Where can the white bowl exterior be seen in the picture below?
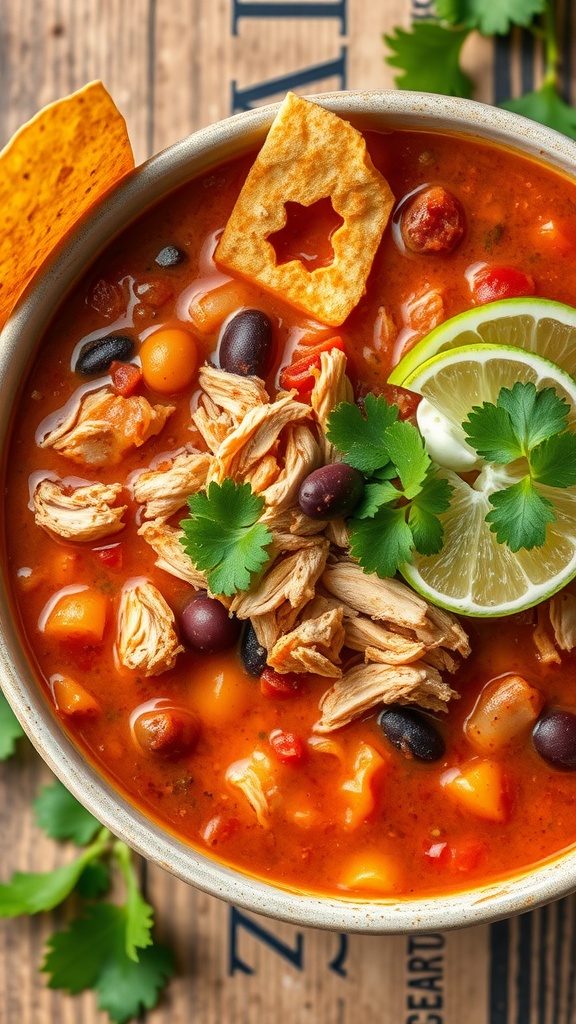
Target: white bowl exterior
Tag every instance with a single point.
(18, 341)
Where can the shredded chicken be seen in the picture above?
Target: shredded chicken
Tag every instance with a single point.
(255, 436)
(82, 514)
(235, 394)
(146, 640)
(301, 457)
(563, 618)
(165, 540)
(290, 580)
(331, 387)
(102, 426)
(313, 646)
(163, 491)
(254, 778)
(212, 423)
(396, 606)
(364, 686)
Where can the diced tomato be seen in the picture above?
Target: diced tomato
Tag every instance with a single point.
(110, 555)
(493, 283)
(287, 746)
(125, 378)
(280, 687)
(299, 375)
(407, 401)
(459, 857)
(219, 829)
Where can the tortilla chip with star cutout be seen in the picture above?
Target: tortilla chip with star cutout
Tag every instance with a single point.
(309, 154)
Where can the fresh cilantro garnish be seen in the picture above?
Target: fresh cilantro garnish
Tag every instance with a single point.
(10, 729)
(530, 424)
(62, 817)
(223, 537)
(428, 55)
(361, 438)
(91, 954)
(488, 17)
(109, 947)
(403, 497)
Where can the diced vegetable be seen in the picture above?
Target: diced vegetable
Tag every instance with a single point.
(71, 698)
(492, 283)
(371, 871)
(299, 375)
(169, 360)
(125, 378)
(208, 311)
(287, 746)
(507, 706)
(359, 790)
(280, 687)
(478, 787)
(79, 616)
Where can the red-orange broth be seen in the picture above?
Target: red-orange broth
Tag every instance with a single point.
(518, 215)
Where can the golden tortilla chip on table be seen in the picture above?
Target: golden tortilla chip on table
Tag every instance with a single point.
(309, 154)
(51, 172)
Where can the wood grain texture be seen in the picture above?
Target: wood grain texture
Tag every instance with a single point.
(171, 65)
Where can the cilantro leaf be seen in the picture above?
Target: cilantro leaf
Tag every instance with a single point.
(522, 418)
(31, 892)
(91, 954)
(546, 106)
(94, 881)
(10, 729)
(381, 544)
(62, 817)
(223, 536)
(493, 18)
(553, 462)
(408, 454)
(139, 914)
(535, 414)
(359, 438)
(375, 495)
(427, 530)
(520, 515)
(489, 430)
(428, 55)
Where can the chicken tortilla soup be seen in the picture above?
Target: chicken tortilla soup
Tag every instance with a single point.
(291, 511)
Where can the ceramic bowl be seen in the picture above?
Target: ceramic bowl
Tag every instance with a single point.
(171, 168)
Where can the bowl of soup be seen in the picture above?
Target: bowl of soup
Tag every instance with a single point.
(241, 699)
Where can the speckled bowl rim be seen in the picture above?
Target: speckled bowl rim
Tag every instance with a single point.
(160, 175)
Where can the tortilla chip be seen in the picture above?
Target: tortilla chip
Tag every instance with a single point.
(309, 154)
(51, 172)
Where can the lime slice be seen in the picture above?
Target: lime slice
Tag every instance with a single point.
(473, 574)
(536, 325)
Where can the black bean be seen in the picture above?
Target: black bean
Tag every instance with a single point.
(246, 344)
(412, 733)
(170, 256)
(331, 491)
(206, 625)
(554, 737)
(98, 356)
(253, 655)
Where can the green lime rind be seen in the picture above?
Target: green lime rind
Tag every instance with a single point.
(543, 326)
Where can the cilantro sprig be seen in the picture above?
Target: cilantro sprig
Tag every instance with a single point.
(404, 494)
(10, 729)
(109, 947)
(223, 537)
(531, 425)
(428, 55)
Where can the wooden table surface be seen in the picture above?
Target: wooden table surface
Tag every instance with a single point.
(173, 66)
